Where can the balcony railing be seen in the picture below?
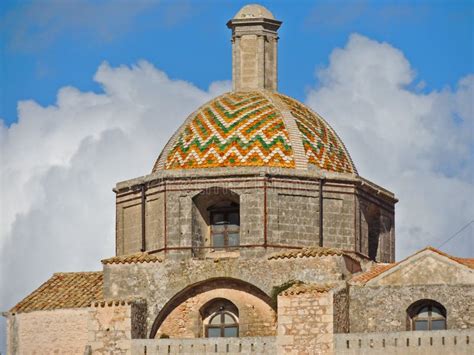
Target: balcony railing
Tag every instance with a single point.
(419, 342)
(256, 345)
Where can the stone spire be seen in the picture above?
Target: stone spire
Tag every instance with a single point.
(254, 49)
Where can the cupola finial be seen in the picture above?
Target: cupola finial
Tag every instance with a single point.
(254, 49)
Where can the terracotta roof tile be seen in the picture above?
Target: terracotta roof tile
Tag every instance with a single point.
(301, 288)
(376, 270)
(307, 252)
(64, 290)
(469, 262)
(132, 259)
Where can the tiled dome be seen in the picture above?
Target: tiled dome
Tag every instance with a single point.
(255, 128)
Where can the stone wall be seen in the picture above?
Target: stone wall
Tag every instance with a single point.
(113, 324)
(274, 210)
(255, 317)
(159, 283)
(384, 308)
(215, 346)
(376, 227)
(341, 309)
(409, 343)
(62, 331)
(305, 323)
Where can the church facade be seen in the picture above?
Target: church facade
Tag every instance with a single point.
(254, 232)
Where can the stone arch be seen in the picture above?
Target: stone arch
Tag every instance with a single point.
(211, 198)
(236, 291)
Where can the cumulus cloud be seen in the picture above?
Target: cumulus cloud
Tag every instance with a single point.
(59, 164)
(418, 145)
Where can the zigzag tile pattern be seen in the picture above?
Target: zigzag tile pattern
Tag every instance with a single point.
(235, 129)
(322, 146)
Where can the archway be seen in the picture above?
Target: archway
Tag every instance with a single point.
(184, 310)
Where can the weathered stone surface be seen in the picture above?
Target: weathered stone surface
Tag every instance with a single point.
(112, 326)
(255, 317)
(305, 323)
(409, 343)
(62, 331)
(275, 209)
(158, 283)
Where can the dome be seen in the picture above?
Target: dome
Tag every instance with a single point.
(252, 129)
(253, 11)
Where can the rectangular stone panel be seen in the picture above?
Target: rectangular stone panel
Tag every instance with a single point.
(297, 219)
(154, 222)
(131, 229)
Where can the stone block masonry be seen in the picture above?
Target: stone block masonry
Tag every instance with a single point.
(276, 209)
(113, 324)
(305, 323)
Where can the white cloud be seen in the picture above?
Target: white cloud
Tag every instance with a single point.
(59, 164)
(420, 146)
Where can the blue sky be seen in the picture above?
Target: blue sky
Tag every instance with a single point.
(109, 81)
(48, 44)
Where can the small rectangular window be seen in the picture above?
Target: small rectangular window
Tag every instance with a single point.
(218, 240)
(230, 332)
(214, 332)
(233, 239)
(421, 325)
(438, 324)
(225, 228)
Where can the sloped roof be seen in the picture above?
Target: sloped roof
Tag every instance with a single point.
(64, 290)
(379, 269)
(374, 271)
(306, 253)
(469, 262)
(301, 288)
(133, 259)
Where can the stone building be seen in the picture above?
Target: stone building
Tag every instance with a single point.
(253, 233)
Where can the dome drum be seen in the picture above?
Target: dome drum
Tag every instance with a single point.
(190, 213)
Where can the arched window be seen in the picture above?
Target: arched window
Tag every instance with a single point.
(426, 315)
(220, 319)
(222, 324)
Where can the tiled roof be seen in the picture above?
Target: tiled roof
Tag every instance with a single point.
(378, 269)
(255, 128)
(306, 253)
(322, 146)
(133, 259)
(235, 129)
(300, 288)
(469, 262)
(64, 290)
(374, 271)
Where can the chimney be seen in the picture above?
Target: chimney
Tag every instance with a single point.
(254, 49)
